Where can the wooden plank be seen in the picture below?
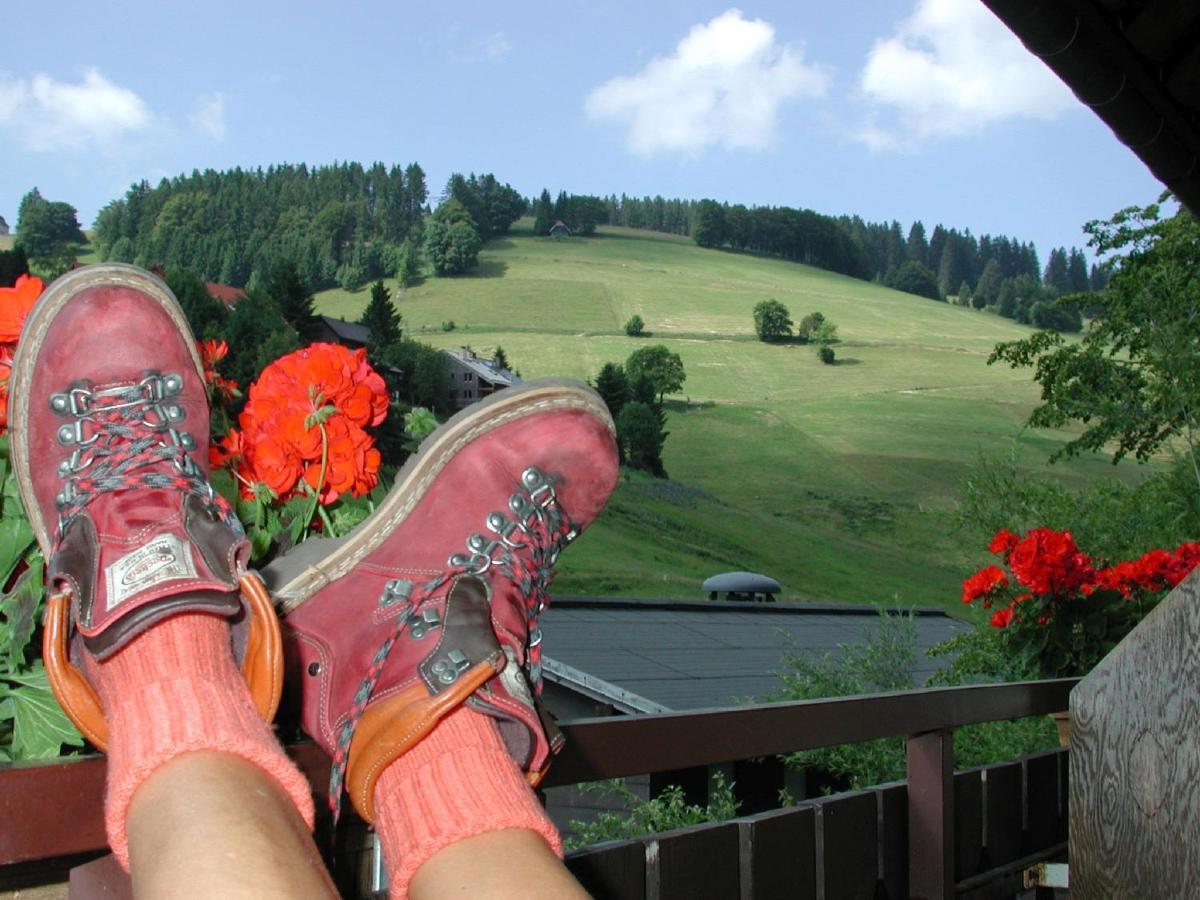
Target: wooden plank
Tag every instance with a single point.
(778, 855)
(699, 863)
(968, 823)
(1041, 801)
(52, 810)
(614, 869)
(847, 844)
(1002, 813)
(931, 814)
(892, 803)
(1135, 760)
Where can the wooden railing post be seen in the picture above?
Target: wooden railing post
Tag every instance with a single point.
(931, 815)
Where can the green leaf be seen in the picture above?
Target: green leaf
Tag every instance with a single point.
(40, 728)
(16, 538)
(320, 416)
(19, 609)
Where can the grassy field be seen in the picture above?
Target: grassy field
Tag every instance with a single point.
(840, 481)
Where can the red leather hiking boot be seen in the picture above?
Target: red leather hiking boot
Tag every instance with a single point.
(433, 600)
(109, 439)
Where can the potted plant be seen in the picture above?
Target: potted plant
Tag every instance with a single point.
(1061, 611)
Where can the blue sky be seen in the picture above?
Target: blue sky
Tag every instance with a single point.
(904, 109)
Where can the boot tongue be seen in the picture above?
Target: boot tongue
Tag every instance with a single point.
(133, 559)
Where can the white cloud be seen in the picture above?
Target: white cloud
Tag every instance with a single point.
(49, 115)
(494, 47)
(723, 84)
(490, 48)
(208, 116)
(951, 69)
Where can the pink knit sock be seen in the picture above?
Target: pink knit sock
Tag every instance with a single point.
(457, 782)
(176, 689)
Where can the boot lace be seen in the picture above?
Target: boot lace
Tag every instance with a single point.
(524, 549)
(125, 437)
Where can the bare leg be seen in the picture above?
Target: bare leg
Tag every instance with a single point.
(497, 865)
(211, 824)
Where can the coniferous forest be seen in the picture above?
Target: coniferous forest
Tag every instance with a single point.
(347, 225)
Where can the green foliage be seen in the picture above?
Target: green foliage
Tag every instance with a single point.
(13, 264)
(826, 355)
(1114, 520)
(824, 333)
(32, 726)
(914, 278)
(49, 233)
(641, 436)
(709, 228)
(613, 387)
(451, 240)
(884, 660)
(543, 214)
(666, 812)
(293, 299)
(206, 315)
(809, 325)
(407, 264)
(1131, 382)
(772, 321)
(424, 375)
(492, 206)
(635, 327)
(381, 318)
(1059, 315)
(657, 366)
(257, 334)
(332, 222)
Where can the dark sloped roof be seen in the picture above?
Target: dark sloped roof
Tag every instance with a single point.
(694, 655)
(1136, 63)
(348, 331)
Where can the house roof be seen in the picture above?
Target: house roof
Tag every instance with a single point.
(484, 368)
(347, 331)
(1136, 63)
(226, 293)
(658, 655)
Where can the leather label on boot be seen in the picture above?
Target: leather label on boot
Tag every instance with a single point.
(164, 558)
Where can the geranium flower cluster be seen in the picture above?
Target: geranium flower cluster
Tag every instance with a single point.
(15, 303)
(304, 420)
(1048, 565)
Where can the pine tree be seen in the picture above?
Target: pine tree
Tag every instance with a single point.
(381, 317)
(917, 248)
(543, 214)
(1077, 271)
(1057, 279)
(987, 291)
(613, 387)
(293, 298)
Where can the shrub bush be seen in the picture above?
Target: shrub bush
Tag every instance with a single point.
(635, 326)
(826, 354)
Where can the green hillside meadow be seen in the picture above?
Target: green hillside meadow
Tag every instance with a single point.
(839, 481)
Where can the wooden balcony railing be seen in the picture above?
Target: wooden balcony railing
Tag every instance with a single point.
(939, 834)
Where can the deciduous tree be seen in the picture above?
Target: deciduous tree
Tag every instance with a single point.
(1131, 382)
(659, 367)
(772, 321)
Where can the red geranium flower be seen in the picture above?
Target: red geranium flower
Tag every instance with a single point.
(15, 303)
(1002, 542)
(304, 419)
(983, 583)
(1002, 617)
(1049, 562)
